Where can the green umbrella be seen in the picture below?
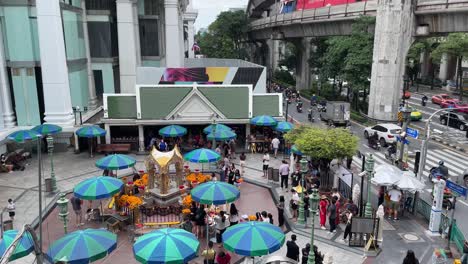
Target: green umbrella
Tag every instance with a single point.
(98, 188)
(215, 192)
(208, 129)
(221, 135)
(24, 247)
(116, 162)
(202, 156)
(90, 132)
(168, 245)
(173, 131)
(22, 136)
(263, 120)
(47, 129)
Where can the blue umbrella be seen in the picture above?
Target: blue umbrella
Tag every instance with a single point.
(47, 129)
(116, 162)
(263, 120)
(295, 150)
(284, 126)
(221, 135)
(219, 127)
(22, 136)
(215, 192)
(90, 132)
(98, 188)
(24, 247)
(173, 131)
(202, 156)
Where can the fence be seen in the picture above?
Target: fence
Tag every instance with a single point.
(169, 215)
(457, 236)
(423, 208)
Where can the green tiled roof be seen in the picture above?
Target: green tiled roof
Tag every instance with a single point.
(121, 107)
(233, 102)
(266, 105)
(158, 102)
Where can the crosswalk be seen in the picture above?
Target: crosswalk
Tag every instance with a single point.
(455, 162)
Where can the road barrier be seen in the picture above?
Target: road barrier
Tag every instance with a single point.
(457, 236)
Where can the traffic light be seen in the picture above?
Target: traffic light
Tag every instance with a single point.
(416, 162)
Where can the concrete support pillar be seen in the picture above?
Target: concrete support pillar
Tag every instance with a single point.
(173, 43)
(108, 134)
(92, 100)
(128, 44)
(447, 67)
(7, 116)
(303, 79)
(393, 36)
(57, 98)
(191, 38)
(273, 54)
(141, 139)
(424, 61)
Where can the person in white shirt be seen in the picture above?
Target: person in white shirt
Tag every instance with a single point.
(266, 163)
(284, 173)
(395, 197)
(221, 224)
(294, 203)
(275, 142)
(11, 208)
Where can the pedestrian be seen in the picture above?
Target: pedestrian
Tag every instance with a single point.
(381, 196)
(352, 207)
(270, 218)
(296, 178)
(264, 216)
(336, 193)
(331, 211)
(11, 208)
(232, 147)
(209, 254)
(231, 176)
(305, 253)
(323, 211)
(410, 258)
(200, 221)
(395, 197)
(162, 145)
(266, 163)
(76, 205)
(242, 159)
(347, 230)
(318, 255)
(233, 215)
(294, 203)
(223, 258)
(275, 142)
(227, 164)
(221, 224)
(280, 207)
(222, 171)
(338, 211)
(292, 249)
(284, 172)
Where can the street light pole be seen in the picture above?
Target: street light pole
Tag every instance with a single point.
(370, 173)
(301, 218)
(213, 141)
(407, 117)
(313, 204)
(50, 148)
(62, 203)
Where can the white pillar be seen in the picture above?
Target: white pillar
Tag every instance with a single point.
(128, 45)
(108, 134)
(57, 98)
(394, 29)
(173, 44)
(141, 139)
(444, 67)
(436, 209)
(92, 100)
(191, 38)
(7, 116)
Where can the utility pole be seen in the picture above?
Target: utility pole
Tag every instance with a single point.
(406, 120)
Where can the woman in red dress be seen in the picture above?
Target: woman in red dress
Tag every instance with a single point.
(323, 211)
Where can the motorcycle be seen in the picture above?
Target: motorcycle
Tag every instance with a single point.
(310, 115)
(391, 154)
(321, 108)
(424, 100)
(436, 172)
(299, 107)
(373, 144)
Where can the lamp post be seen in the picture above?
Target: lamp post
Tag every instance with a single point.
(301, 218)
(62, 203)
(370, 173)
(50, 148)
(313, 203)
(213, 141)
(406, 119)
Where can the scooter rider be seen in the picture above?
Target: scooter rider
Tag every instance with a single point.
(424, 100)
(442, 169)
(310, 116)
(373, 140)
(299, 105)
(313, 99)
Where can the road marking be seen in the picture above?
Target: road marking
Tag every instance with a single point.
(456, 154)
(453, 156)
(463, 202)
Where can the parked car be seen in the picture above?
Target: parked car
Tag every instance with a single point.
(387, 133)
(460, 107)
(441, 98)
(454, 120)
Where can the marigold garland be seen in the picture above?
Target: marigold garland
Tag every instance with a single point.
(187, 201)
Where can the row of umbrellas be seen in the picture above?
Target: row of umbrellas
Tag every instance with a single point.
(386, 175)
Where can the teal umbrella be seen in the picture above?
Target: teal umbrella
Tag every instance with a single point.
(173, 131)
(263, 120)
(47, 129)
(22, 136)
(24, 247)
(90, 132)
(116, 162)
(167, 245)
(202, 156)
(219, 127)
(220, 135)
(82, 246)
(284, 126)
(215, 192)
(295, 150)
(97, 188)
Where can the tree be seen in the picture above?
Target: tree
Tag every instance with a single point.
(413, 58)
(290, 57)
(225, 36)
(456, 44)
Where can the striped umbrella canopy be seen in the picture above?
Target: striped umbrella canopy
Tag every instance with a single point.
(82, 246)
(202, 155)
(215, 192)
(47, 129)
(253, 238)
(22, 136)
(284, 126)
(116, 162)
(24, 247)
(91, 131)
(296, 151)
(168, 245)
(221, 135)
(263, 120)
(219, 127)
(97, 188)
(172, 131)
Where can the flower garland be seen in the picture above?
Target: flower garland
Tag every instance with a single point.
(141, 183)
(130, 201)
(197, 177)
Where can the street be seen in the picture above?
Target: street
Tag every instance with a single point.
(456, 161)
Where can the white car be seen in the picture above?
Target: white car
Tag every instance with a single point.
(387, 133)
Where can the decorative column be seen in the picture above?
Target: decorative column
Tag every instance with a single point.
(436, 209)
(190, 16)
(370, 172)
(173, 44)
(6, 111)
(128, 45)
(303, 68)
(108, 134)
(393, 37)
(57, 98)
(141, 139)
(92, 100)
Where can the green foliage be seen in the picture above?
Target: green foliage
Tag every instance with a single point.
(456, 44)
(224, 36)
(284, 77)
(320, 143)
(290, 57)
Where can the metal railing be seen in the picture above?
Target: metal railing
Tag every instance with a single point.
(456, 236)
(423, 208)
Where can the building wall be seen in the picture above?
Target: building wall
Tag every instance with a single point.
(107, 72)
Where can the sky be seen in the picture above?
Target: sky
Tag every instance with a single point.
(208, 10)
